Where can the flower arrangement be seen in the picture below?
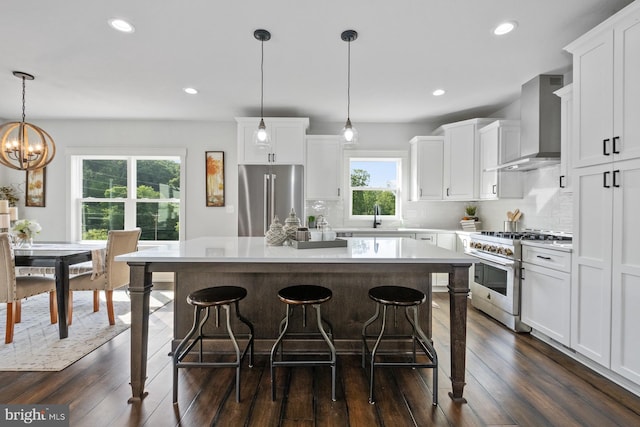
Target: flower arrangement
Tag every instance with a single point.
(26, 228)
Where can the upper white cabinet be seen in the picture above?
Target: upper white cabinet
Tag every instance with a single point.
(606, 84)
(323, 169)
(462, 159)
(497, 142)
(287, 140)
(566, 136)
(427, 154)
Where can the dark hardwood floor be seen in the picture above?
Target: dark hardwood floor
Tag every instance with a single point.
(511, 380)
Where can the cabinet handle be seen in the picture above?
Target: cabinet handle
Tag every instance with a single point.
(269, 157)
(521, 273)
(548, 258)
(273, 157)
(338, 192)
(605, 179)
(615, 178)
(615, 149)
(494, 188)
(561, 181)
(604, 147)
(447, 191)
(421, 192)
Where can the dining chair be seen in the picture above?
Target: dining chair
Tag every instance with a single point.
(14, 288)
(114, 276)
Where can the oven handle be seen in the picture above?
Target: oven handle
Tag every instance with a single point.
(502, 264)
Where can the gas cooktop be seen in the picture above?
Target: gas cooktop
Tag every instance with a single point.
(529, 235)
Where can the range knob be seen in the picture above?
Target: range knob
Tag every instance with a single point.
(501, 250)
(493, 248)
(508, 252)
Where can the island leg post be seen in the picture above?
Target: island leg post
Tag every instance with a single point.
(458, 293)
(139, 290)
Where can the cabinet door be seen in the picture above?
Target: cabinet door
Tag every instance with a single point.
(625, 345)
(566, 136)
(546, 301)
(288, 144)
(323, 168)
(427, 168)
(248, 152)
(591, 265)
(627, 88)
(489, 150)
(460, 164)
(593, 95)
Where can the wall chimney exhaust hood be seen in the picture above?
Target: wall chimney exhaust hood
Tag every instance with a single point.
(539, 125)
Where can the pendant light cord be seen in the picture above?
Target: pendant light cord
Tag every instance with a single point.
(23, 100)
(261, 78)
(349, 80)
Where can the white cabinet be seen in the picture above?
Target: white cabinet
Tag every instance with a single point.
(546, 292)
(443, 240)
(606, 73)
(427, 154)
(323, 169)
(605, 287)
(287, 140)
(462, 159)
(566, 136)
(496, 142)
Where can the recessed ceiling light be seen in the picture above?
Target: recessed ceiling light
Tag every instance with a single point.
(439, 92)
(121, 25)
(505, 28)
(190, 90)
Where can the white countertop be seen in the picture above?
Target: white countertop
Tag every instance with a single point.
(254, 249)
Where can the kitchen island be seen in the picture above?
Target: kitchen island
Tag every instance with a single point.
(348, 271)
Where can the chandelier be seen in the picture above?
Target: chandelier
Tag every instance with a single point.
(25, 146)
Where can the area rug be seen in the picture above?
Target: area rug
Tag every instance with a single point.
(36, 345)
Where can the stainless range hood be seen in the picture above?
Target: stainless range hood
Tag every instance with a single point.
(539, 124)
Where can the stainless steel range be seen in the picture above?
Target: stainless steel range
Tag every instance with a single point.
(496, 285)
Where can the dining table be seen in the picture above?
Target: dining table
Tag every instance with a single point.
(57, 257)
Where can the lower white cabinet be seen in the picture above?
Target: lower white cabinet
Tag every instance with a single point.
(546, 292)
(444, 240)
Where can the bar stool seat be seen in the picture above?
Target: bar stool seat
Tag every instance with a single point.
(410, 299)
(303, 295)
(203, 300)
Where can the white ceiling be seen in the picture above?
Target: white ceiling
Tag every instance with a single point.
(405, 50)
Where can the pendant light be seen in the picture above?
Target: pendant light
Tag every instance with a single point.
(349, 134)
(25, 146)
(261, 137)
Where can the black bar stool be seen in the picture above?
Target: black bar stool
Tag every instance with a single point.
(398, 296)
(303, 295)
(204, 299)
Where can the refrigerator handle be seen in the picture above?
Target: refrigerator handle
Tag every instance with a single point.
(272, 198)
(265, 203)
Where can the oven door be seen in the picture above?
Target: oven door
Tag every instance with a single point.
(496, 283)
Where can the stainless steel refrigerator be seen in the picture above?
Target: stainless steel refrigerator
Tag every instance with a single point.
(265, 191)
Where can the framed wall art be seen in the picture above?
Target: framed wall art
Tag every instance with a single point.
(35, 188)
(214, 177)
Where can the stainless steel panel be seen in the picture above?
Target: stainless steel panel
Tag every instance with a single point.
(266, 191)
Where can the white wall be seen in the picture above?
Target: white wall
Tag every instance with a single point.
(196, 137)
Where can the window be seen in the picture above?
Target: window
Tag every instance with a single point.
(374, 181)
(123, 192)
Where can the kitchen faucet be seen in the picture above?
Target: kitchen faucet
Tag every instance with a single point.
(376, 213)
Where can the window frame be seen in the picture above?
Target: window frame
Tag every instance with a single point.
(75, 156)
(400, 158)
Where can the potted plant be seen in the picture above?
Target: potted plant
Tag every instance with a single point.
(470, 212)
(311, 221)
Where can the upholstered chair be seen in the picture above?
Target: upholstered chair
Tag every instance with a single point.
(14, 288)
(114, 275)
